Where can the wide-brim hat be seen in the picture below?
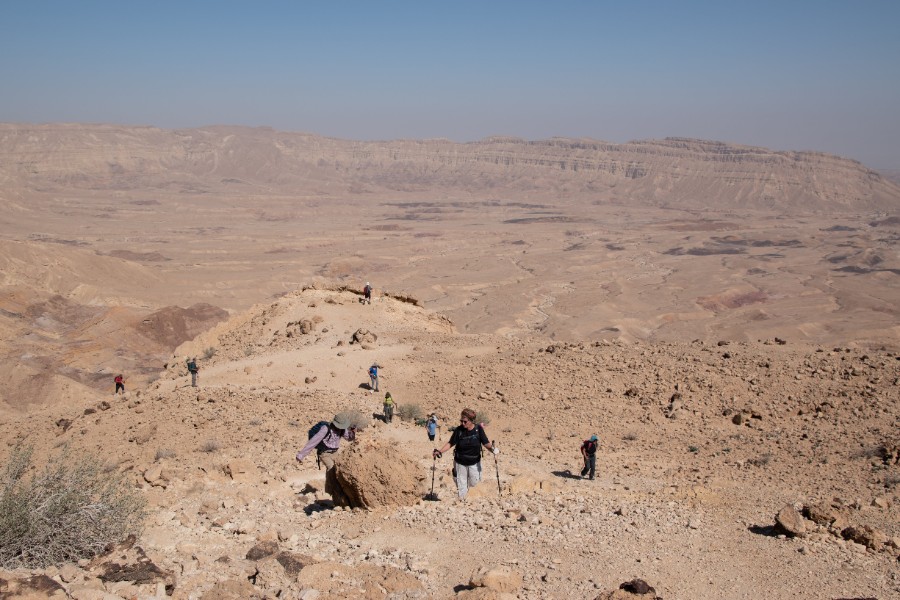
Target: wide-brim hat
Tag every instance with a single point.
(340, 422)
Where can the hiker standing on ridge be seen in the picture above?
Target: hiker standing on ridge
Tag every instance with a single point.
(589, 453)
(367, 294)
(120, 383)
(194, 370)
(388, 408)
(327, 440)
(373, 377)
(467, 439)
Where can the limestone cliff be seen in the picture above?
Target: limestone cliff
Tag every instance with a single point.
(674, 172)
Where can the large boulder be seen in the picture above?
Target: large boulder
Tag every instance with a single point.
(372, 473)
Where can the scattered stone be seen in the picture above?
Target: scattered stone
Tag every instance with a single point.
(790, 522)
(241, 469)
(866, 536)
(499, 579)
(262, 550)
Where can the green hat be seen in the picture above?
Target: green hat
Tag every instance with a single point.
(341, 422)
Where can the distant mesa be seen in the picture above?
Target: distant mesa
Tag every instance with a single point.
(671, 173)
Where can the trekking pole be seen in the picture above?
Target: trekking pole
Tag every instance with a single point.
(497, 467)
(432, 497)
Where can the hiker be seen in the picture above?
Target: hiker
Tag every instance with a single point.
(194, 370)
(373, 377)
(467, 440)
(120, 383)
(326, 439)
(367, 294)
(388, 408)
(431, 426)
(589, 453)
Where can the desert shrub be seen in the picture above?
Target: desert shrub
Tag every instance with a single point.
(630, 437)
(410, 411)
(70, 510)
(162, 453)
(693, 449)
(210, 446)
(209, 352)
(761, 460)
(481, 416)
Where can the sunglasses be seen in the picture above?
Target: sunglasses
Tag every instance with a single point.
(464, 421)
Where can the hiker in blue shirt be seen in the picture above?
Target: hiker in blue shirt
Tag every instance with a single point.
(373, 378)
(431, 425)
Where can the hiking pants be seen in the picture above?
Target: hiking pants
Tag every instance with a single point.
(326, 459)
(120, 386)
(373, 383)
(590, 464)
(193, 378)
(467, 476)
(388, 412)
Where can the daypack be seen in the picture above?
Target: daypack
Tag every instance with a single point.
(316, 428)
(590, 447)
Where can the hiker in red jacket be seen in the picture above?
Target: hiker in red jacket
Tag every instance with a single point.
(120, 384)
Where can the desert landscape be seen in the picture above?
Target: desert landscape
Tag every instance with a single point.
(724, 318)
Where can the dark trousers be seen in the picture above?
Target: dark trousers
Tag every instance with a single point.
(120, 386)
(590, 464)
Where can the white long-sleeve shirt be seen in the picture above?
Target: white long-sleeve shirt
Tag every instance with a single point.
(330, 437)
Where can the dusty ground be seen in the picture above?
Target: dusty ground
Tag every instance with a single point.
(685, 498)
(726, 319)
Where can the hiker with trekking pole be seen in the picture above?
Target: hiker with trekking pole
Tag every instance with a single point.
(467, 440)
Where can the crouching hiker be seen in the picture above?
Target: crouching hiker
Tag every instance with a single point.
(325, 438)
(589, 453)
(467, 439)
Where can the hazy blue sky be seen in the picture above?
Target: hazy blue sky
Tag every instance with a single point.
(789, 75)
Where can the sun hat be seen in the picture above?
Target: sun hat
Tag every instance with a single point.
(341, 422)
(593, 438)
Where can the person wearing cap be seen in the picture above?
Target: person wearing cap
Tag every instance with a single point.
(367, 293)
(467, 439)
(589, 453)
(431, 426)
(327, 440)
(373, 378)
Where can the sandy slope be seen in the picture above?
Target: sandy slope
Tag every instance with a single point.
(685, 496)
